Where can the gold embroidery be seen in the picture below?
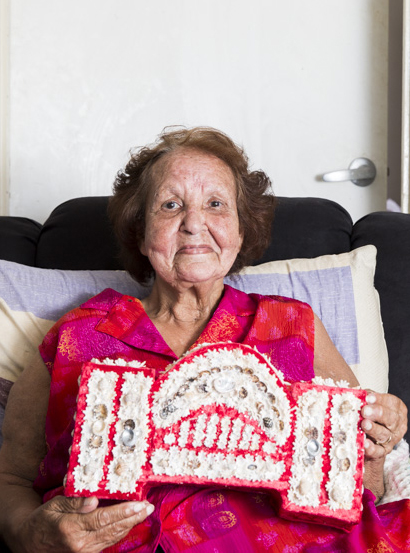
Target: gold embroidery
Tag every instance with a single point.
(381, 547)
(216, 499)
(187, 534)
(224, 519)
(68, 345)
(220, 329)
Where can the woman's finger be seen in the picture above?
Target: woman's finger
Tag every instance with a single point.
(387, 410)
(385, 422)
(373, 451)
(75, 529)
(107, 525)
(379, 436)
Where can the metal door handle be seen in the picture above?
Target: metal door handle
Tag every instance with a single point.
(362, 171)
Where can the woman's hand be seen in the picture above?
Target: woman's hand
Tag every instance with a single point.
(385, 423)
(76, 524)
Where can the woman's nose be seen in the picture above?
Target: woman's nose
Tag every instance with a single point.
(193, 221)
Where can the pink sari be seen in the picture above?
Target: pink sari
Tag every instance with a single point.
(192, 518)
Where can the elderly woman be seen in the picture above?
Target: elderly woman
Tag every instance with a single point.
(187, 211)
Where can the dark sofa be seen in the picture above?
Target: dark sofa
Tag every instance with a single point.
(77, 235)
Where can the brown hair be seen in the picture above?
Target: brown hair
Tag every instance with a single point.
(255, 200)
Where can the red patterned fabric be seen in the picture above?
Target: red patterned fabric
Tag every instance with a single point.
(191, 518)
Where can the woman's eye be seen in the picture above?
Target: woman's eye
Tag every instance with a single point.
(170, 205)
(215, 203)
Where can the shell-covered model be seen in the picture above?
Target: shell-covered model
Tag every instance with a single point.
(220, 415)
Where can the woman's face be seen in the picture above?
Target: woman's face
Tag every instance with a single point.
(192, 227)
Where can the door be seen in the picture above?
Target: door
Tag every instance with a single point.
(323, 98)
(302, 85)
(327, 103)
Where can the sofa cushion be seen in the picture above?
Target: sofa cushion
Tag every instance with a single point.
(77, 235)
(308, 227)
(19, 237)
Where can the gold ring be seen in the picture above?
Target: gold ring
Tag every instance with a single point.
(385, 442)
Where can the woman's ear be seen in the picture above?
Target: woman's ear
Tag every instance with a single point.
(241, 237)
(142, 248)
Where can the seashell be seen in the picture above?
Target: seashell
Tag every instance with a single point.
(171, 408)
(204, 373)
(254, 378)
(102, 385)
(126, 399)
(261, 386)
(312, 433)
(182, 390)
(252, 467)
(163, 413)
(344, 464)
(127, 436)
(272, 398)
(276, 411)
(215, 370)
(223, 384)
(339, 493)
(313, 447)
(129, 423)
(248, 370)
(193, 464)
(242, 393)
(341, 452)
(237, 368)
(129, 398)
(267, 422)
(227, 367)
(120, 468)
(91, 399)
(305, 486)
(98, 426)
(259, 407)
(281, 425)
(345, 407)
(95, 441)
(307, 461)
(340, 437)
(100, 411)
(89, 468)
(314, 410)
(203, 388)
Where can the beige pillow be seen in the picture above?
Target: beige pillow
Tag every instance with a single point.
(341, 291)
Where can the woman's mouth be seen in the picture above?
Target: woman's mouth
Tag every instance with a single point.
(195, 249)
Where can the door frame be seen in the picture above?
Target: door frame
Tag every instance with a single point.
(405, 110)
(4, 106)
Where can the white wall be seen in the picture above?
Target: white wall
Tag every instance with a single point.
(92, 78)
